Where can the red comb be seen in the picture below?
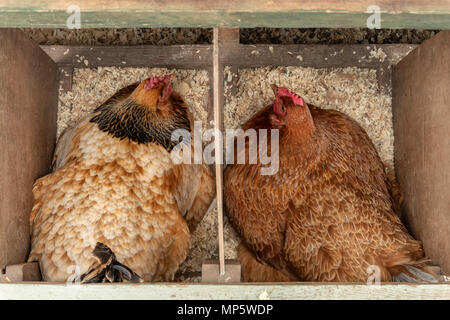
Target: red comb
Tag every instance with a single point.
(154, 81)
(284, 92)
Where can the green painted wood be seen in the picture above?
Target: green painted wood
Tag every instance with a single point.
(145, 291)
(43, 17)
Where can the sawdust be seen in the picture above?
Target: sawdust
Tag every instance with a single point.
(170, 36)
(120, 36)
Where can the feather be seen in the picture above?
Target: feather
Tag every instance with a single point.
(327, 214)
(115, 191)
(108, 269)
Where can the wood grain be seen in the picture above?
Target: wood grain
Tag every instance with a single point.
(177, 56)
(292, 291)
(421, 116)
(218, 126)
(433, 14)
(315, 56)
(200, 56)
(28, 106)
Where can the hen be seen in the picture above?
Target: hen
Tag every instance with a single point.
(116, 201)
(327, 214)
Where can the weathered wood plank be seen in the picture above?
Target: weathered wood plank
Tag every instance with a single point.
(421, 114)
(28, 107)
(293, 291)
(178, 56)
(433, 14)
(218, 126)
(200, 56)
(316, 56)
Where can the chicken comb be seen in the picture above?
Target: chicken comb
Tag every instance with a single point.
(154, 81)
(284, 92)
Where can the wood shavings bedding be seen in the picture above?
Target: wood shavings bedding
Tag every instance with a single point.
(122, 36)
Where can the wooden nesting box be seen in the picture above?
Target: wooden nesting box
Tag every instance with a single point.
(29, 81)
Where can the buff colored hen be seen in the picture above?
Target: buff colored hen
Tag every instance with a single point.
(327, 214)
(117, 206)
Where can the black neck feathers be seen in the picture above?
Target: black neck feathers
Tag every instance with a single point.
(138, 123)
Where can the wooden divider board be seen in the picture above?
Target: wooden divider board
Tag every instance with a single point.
(218, 126)
(421, 112)
(28, 107)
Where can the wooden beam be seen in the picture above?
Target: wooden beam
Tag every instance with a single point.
(432, 14)
(158, 291)
(242, 56)
(315, 56)
(177, 56)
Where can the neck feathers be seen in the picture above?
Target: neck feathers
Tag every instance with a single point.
(132, 119)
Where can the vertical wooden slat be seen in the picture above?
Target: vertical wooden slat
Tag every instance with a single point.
(218, 125)
(28, 108)
(421, 114)
(223, 39)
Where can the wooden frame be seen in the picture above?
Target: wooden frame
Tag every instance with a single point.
(229, 52)
(162, 291)
(432, 14)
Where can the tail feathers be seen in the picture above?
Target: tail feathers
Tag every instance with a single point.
(415, 274)
(108, 269)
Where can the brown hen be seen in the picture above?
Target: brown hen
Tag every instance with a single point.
(116, 201)
(327, 214)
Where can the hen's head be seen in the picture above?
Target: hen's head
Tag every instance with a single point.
(155, 93)
(149, 114)
(289, 109)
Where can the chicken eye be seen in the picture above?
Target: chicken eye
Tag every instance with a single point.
(283, 108)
